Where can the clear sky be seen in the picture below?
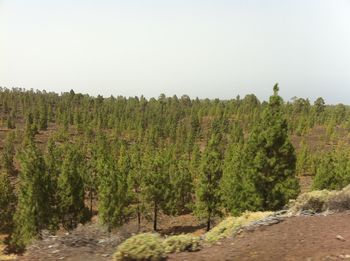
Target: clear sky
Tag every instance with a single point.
(204, 48)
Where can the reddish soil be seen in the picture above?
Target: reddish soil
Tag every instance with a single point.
(296, 238)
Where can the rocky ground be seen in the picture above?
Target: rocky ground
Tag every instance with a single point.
(86, 243)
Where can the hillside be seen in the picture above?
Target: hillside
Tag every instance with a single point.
(71, 159)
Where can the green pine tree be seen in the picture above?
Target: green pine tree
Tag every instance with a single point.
(237, 191)
(53, 161)
(156, 182)
(181, 186)
(333, 170)
(7, 155)
(7, 202)
(271, 158)
(71, 205)
(33, 209)
(113, 189)
(303, 164)
(208, 184)
(135, 182)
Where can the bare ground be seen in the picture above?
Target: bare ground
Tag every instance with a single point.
(296, 238)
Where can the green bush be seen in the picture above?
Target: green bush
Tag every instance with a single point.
(145, 246)
(181, 243)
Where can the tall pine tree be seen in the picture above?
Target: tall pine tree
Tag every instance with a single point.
(237, 191)
(7, 202)
(271, 158)
(208, 184)
(33, 209)
(71, 205)
(156, 183)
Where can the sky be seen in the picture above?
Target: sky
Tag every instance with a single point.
(202, 48)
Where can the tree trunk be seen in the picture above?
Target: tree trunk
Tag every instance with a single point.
(91, 201)
(155, 216)
(208, 221)
(138, 217)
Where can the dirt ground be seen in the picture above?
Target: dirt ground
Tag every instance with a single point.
(296, 238)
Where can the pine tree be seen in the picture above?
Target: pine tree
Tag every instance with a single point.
(113, 189)
(195, 163)
(156, 183)
(207, 189)
(271, 159)
(110, 212)
(333, 170)
(53, 161)
(181, 186)
(320, 106)
(43, 116)
(123, 194)
(303, 160)
(71, 189)
(237, 191)
(7, 202)
(30, 128)
(32, 213)
(7, 155)
(135, 182)
(325, 174)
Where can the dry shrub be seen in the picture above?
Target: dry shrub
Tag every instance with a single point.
(181, 243)
(322, 200)
(145, 246)
(152, 247)
(315, 201)
(340, 201)
(228, 226)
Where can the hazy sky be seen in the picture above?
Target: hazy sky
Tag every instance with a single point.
(213, 48)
